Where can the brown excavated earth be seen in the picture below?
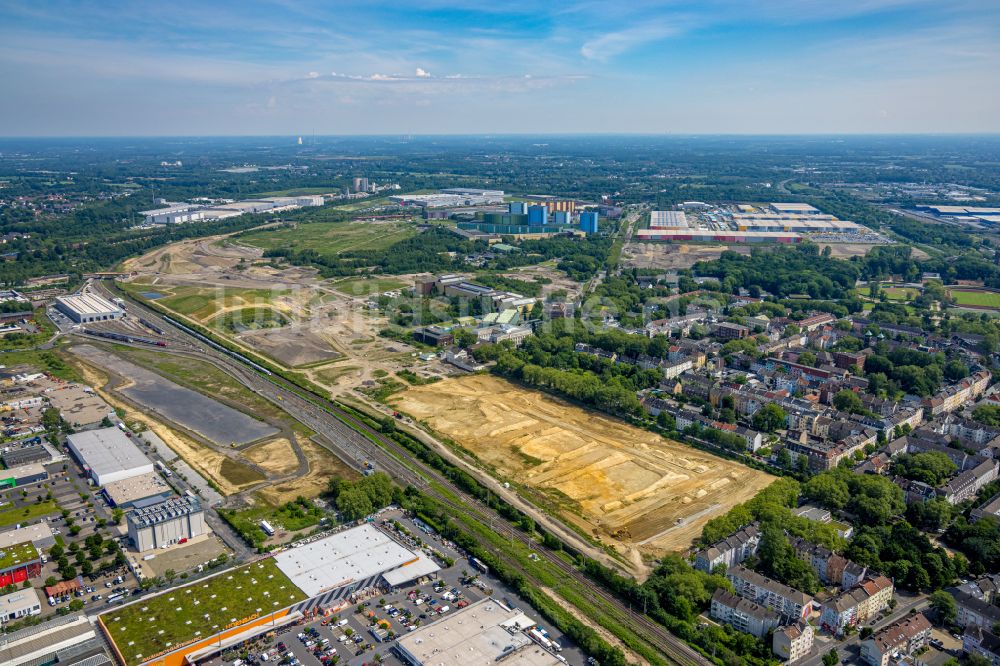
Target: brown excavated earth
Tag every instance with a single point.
(640, 492)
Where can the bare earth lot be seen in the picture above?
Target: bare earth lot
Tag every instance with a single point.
(322, 328)
(673, 256)
(631, 488)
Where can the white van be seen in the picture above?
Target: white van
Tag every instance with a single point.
(342, 623)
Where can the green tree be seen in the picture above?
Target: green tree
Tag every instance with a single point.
(353, 503)
(930, 467)
(944, 607)
(987, 414)
(847, 400)
(831, 658)
(769, 418)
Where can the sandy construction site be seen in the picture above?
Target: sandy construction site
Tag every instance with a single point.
(628, 487)
(321, 328)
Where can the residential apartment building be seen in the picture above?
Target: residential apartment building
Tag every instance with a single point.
(966, 484)
(855, 606)
(742, 614)
(784, 600)
(729, 551)
(956, 395)
(793, 642)
(974, 612)
(982, 642)
(904, 637)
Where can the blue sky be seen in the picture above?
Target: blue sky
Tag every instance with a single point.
(428, 66)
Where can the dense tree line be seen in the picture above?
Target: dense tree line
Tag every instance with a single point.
(548, 360)
(357, 499)
(783, 270)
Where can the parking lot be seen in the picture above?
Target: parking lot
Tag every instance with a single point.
(76, 506)
(348, 635)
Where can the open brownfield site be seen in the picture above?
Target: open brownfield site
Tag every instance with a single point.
(631, 488)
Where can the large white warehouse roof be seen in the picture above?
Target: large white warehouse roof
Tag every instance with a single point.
(350, 556)
(109, 454)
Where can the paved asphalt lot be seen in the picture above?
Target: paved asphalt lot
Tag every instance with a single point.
(364, 652)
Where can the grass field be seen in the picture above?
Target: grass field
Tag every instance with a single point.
(290, 517)
(203, 304)
(358, 286)
(248, 319)
(44, 361)
(177, 616)
(30, 512)
(984, 299)
(902, 295)
(332, 238)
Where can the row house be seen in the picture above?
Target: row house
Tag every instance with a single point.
(925, 441)
(784, 600)
(952, 397)
(832, 569)
(742, 614)
(990, 507)
(903, 637)
(730, 551)
(966, 484)
(984, 588)
(915, 492)
(815, 321)
(698, 386)
(855, 606)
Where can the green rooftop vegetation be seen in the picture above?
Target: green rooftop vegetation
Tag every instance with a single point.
(17, 555)
(179, 616)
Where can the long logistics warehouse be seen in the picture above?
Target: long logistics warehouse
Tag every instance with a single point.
(190, 623)
(86, 308)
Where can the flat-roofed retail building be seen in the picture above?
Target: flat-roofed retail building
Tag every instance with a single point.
(23, 475)
(40, 534)
(134, 490)
(19, 604)
(108, 455)
(80, 406)
(485, 632)
(359, 556)
(87, 308)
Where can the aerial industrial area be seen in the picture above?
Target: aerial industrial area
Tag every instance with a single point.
(330, 413)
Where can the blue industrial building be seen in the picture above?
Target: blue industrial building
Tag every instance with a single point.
(588, 222)
(517, 208)
(561, 218)
(538, 215)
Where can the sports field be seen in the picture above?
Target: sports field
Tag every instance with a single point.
(629, 487)
(981, 299)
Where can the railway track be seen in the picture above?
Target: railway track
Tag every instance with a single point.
(351, 439)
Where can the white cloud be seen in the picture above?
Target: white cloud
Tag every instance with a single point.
(422, 73)
(609, 45)
(313, 75)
